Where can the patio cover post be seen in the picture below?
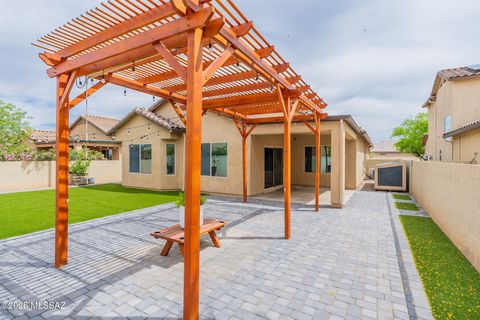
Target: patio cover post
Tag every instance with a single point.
(289, 109)
(317, 162)
(64, 86)
(242, 128)
(192, 175)
(287, 173)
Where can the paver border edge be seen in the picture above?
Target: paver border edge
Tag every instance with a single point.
(417, 301)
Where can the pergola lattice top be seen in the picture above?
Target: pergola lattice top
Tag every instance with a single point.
(141, 44)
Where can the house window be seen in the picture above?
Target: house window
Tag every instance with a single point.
(214, 159)
(140, 158)
(447, 125)
(170, 158)
(326, 159)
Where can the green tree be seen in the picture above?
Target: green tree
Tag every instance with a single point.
(410, 134)
(14, 129)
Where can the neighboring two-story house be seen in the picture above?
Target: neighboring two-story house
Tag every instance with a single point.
(454, 116)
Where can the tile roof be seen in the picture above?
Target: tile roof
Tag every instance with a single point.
(461, 72)
(450, 75)
(43, 136)
(103, 123)
(465, 128)
(385, 146)
(155, 118)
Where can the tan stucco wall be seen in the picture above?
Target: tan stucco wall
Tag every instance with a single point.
(158, 138)
(362, 149)
(351, 164)
(79, 129)
(30, 175)
(299, 176)
(461, 99)
(221, 129)
(466, 145)
(450, 193)
(337, 187)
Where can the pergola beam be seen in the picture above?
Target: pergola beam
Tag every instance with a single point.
(138, 86)
(179, 112)
(241, 88)
(242, 29)
(171, 60)
(148, 54)
(279, 119)
(252, 58)
(155, 14)
(265, 52)
(181, 25)
(217, 64)
(218, 80)
(97, 86)
(240, 100)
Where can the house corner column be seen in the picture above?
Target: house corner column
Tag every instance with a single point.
(318, 160)
(337, 176)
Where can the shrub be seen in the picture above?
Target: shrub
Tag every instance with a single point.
(180, 202)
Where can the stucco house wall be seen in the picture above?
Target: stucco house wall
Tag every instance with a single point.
(299, 142)
(465, 146)
(79, 129)
(223, 130)
(461, 99)
(160, 137)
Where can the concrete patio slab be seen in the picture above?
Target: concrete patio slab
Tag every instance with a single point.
(303, 195)
(339, 264)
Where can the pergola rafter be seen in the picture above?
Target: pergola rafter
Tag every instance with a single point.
(204, 54)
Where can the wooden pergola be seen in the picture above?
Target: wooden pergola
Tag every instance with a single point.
(203, 54)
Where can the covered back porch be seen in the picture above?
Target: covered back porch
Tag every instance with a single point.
(344, 148)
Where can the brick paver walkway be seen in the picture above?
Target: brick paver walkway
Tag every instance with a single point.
(339, 264)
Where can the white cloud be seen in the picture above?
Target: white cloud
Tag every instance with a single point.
(374, 59)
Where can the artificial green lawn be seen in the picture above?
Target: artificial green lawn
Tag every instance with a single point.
(450, 281)
(401, 196)
(406, 206)
(26, 212)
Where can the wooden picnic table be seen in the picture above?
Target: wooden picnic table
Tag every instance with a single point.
(176, 234)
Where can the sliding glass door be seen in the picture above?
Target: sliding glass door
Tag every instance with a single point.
(273, 167)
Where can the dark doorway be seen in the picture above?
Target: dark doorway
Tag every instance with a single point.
(273, 167)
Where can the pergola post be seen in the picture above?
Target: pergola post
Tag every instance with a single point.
(193, 142)
(317, 162)
(287, 170)
(289, 109)
(242, 128)
(64, 86)
(244, 168)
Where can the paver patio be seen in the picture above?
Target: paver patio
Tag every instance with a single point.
(339, 264)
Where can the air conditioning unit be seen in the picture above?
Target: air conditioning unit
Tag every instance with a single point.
(391, 176)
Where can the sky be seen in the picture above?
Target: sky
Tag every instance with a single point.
(373, 59)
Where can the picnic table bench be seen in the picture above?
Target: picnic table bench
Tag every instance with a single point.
(176, 234)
